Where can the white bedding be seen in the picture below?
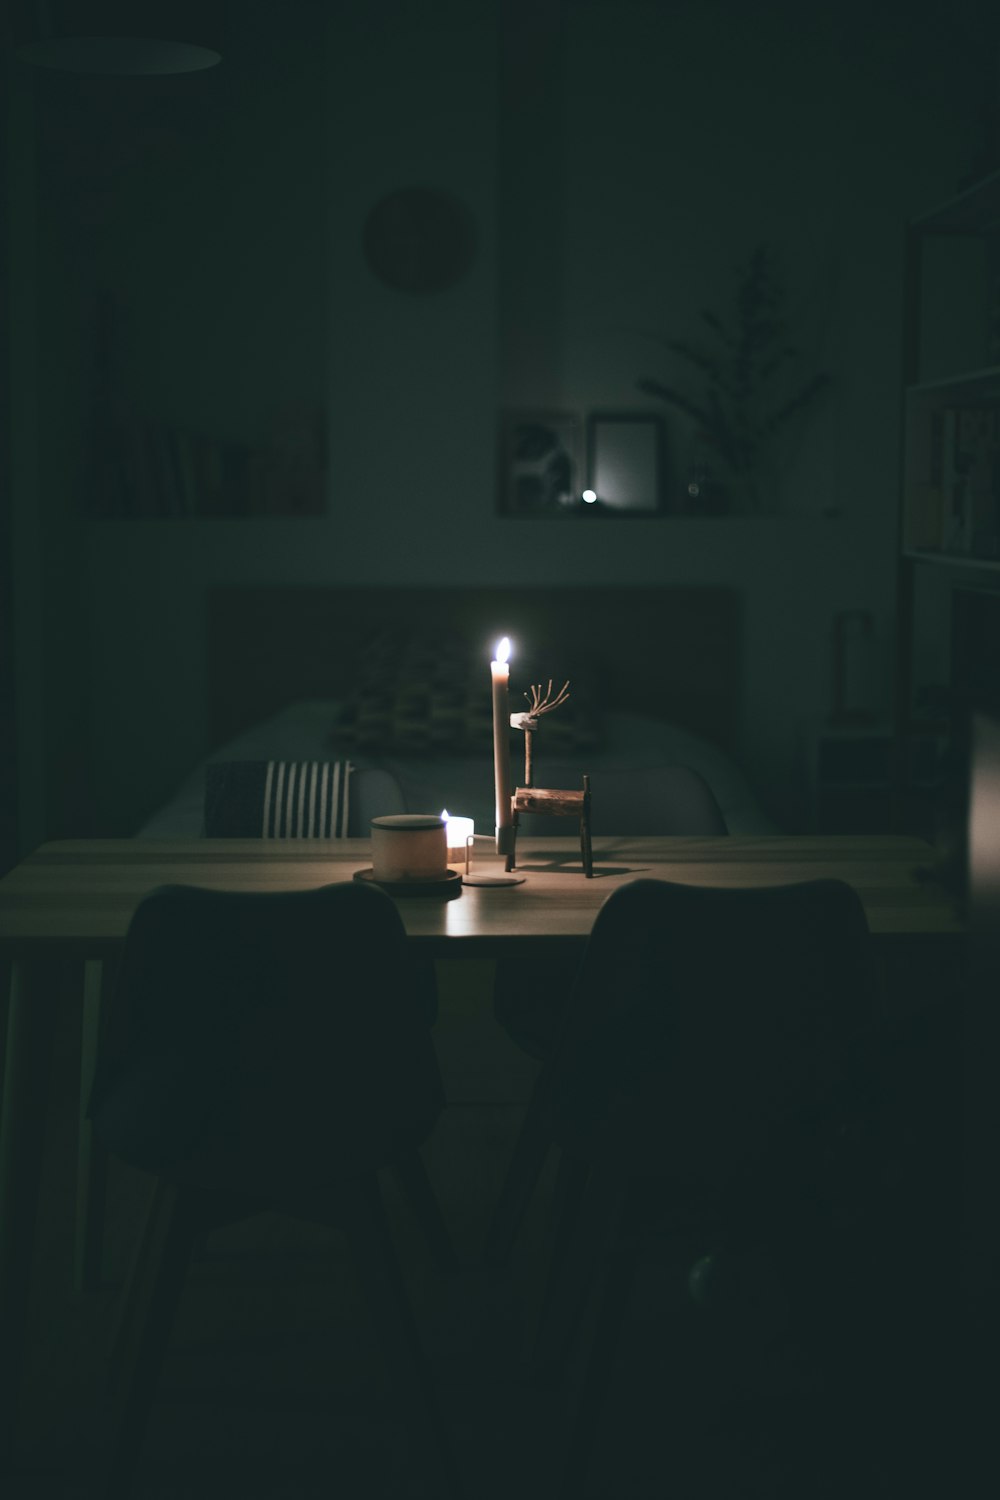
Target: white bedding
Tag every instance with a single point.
(302, 731)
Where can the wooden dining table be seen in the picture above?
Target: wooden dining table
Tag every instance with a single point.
(65, 910)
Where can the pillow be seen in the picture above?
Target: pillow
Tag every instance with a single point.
(431, 695)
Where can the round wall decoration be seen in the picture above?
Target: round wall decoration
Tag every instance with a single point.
(420, 240)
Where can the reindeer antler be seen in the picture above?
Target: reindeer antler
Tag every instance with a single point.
(539, 704)
(544, 705)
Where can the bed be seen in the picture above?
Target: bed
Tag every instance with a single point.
(399, 679)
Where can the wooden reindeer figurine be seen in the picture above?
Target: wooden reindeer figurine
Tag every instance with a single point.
(531, 799)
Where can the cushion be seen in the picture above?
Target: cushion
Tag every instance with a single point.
(431, 695)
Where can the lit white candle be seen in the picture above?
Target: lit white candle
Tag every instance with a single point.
(459, 830)
(501, 745)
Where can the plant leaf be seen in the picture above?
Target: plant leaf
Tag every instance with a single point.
(664, 393)
(808, 392)
(717, 326)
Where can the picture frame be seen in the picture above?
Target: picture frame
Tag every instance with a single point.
(540, 464)
(626, 463)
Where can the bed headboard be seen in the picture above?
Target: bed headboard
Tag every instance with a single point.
(672, 652)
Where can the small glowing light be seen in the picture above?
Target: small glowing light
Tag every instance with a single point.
(503, 650)
(459, 832)
(589, 496)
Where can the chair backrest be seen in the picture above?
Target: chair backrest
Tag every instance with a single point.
(717, 1014)
(296, 799)
(273, 1038)
(671, 800)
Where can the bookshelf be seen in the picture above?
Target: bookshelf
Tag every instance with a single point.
(144, 463)
(951, 468)
(949, 503)
(154, 470)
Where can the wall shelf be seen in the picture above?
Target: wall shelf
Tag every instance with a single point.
(975, 210)
(974, 381)
(951, 559)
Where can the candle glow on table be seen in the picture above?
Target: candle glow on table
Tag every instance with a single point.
(501, 745)
(459, 831)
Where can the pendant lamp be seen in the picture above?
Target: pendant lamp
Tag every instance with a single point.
(121, 37)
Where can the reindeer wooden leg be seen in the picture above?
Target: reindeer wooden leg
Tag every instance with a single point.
(585, 848)
(511, 859)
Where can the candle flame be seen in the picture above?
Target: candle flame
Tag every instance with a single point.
(444, 814)
(503, 650)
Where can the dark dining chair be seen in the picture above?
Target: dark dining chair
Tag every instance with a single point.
(271, 1056)
(242, 799)
(529, 1003)
(706, 1092)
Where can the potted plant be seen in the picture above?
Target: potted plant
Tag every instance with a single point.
(746, 401)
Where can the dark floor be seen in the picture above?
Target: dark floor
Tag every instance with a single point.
(273, 1386)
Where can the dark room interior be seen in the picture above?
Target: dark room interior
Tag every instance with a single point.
(664, 335)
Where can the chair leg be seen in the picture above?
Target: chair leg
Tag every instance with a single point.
(525, 1168)
(618, 1283)
(34, 993)
(162, 1261)
(368, 1235)
(92, 1161)
(567, 1192)
(581, 1257)
(567, 1198)
(128, 1300)
(412, 1177)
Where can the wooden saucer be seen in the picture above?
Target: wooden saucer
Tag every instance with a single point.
(449, 885)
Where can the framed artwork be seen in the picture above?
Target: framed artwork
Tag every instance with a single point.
(625, 463)
(540, 468)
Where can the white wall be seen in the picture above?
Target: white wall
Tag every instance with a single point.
(688, 132)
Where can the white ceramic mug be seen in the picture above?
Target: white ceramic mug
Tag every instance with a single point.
(409, 846)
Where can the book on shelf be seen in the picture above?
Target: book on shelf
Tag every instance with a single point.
(923, 517)
(965, 463)
(143, 470)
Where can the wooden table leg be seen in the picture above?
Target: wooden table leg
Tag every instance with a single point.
(34, 993)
